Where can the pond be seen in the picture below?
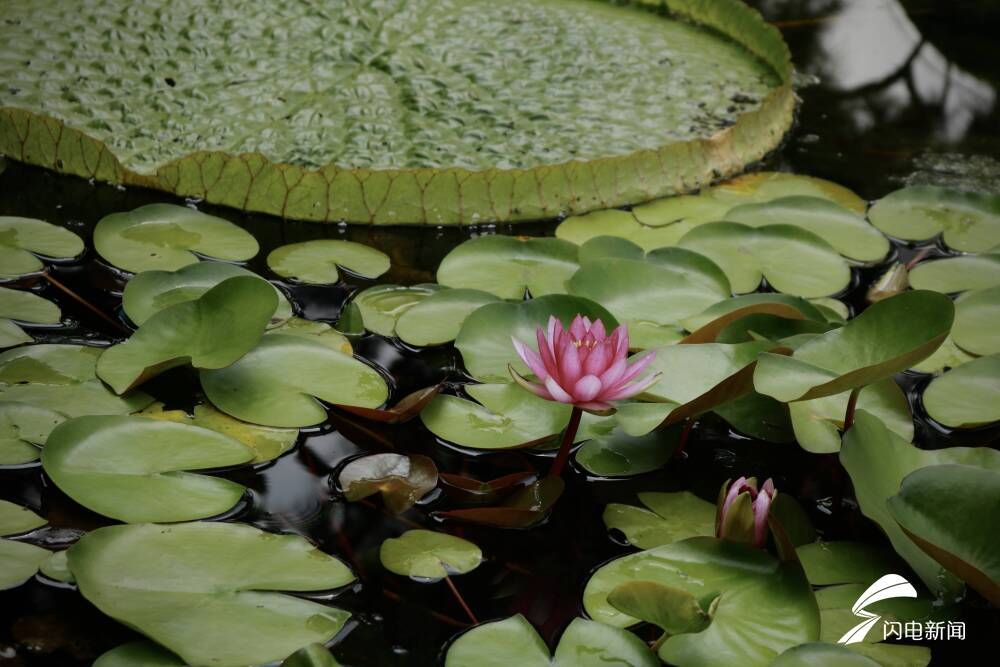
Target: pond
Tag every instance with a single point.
(892, 94)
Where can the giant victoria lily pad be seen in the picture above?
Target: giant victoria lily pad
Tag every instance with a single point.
(207, 591)
(626, 106)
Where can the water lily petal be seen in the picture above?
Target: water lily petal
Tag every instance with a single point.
(634, 369)
(630, 390)
(578, 328)
(569, 365)
(558, 393)
(531, 358)
(535, 389)
(598, 330)
(586, 388)
(597, 360)
(545, 352)
(613, 374)
(761, 506)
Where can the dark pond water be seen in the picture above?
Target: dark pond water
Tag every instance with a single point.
(890, 93)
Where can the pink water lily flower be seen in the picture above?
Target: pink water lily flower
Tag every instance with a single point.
(583, 366)
(744, 519)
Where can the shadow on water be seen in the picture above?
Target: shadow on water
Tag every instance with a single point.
(891, 91)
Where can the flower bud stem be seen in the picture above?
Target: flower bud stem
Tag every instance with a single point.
(852, 403)
(569, 435)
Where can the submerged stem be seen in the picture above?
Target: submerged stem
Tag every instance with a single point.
(852, 404)
(461, 600)
(567, 442)
(683, 439)
(83, 302)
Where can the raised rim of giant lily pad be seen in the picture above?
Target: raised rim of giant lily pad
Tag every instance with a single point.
(582, 366)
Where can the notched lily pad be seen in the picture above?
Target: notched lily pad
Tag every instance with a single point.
(957, 274)
(139, 654)
(16, 520)
(524, 509)
(672, 610)
(967, 396)
(618, 454)
(473, 491)
(23, 430)
(670, 517)
(427, 555)
(401, 480)
(829, 563)
(24, 241)
(166, 237)
(763, 186)
(509, 266)
(438, 318)
(316, 261)
(24, 307)
(967, 221)
(19, 562)
(976, 316)
(318, 331)
(49, 364)
(381, 306)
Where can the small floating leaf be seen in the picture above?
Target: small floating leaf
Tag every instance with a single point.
(829, 563)
(23, 307)
(967, 396)
(671, 609)
(510, 266)
(381, 306)
(49, 364)
(976, 317)
(215, 603)
(15, 520)
(820, 654)
(314, 655)
(133, 469)
(76, 399)
(23, 430)
(56, 568)
(716, 317)
(763, 186)
(524, 509)
(618, 454)
(19, 562)
(968, 222)
(166, 236)
(474, 491)
(438, 318)
(408, 407)
(316, 261)
(670, 517)
(945, 357)
(957, 274)
(139, 654)
(278, 383)
(318, 331)
(425, 554)
(401, 480)
(23, 240)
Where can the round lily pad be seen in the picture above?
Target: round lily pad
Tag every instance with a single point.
(425, 554)
(76, 399)
(316, 261)
(24, 240)
(56, 568)
(784, 610)
(829, 563)
(485, 337)
(133, 469)
(685, 211)
(215, 603)
(400, 480)
(312, 330)
(27, 307)
(55, 364)
(656, 225)
(166, 237)
(793, 260)
(957, 274)
(438, 318)
(19, 562)
(510, 266)
(618, 454)
(278, 383)
(15, 519)
(976, 316)
(845, 230)
(139, 654)
(149, 292)
(513, 641)
(763, 186)
(211, 331)
(966, 396)
(967, 221)
(744, 303)
(670, 517)
(945, 357)
(381, 306)
(23, 430)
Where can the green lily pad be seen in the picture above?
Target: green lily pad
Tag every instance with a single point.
(758, 416)
(967, 396)
(15, 520)
(945, 357)
(425, 554)
(793, 260)
(621, 455)
(215, 603)
(672, 610)
(134, 469)
(49, 364)
(784, 609)
(834, 310)
(524, 509)
(381, 306)
(401, 480)
(166, 237)
(314, 655)
(23, 430)
(11, 334)
(949, 511)
(19, 562)
(957, 274)
(139, 654)
(656, 225)
(763, 186)
(745, 304)
(316, 261)
(149, 292)
(484, 339)
(829, 563)
(318, 331)
(976, 315)
(56, 568)
(23, 307)
(509, 266)
(513, 641)
(278, 383)
(878, 460)
(438, 318)
(817, 423)
(889, 337)
(968, 222)
(604, 247)
(683, 211)
(265, 442)
(671, 517)
(821, 654)
(76, 399)
(24, 240)
(845, 230)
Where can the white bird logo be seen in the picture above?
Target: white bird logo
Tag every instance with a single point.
(889, 586)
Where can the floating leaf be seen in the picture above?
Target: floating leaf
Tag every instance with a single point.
(24, 240)
(621, 455)
(438, 318)
(11, 334)
(316, 261)
(845, 230)
(976, 315)
(674, 516)
(76, 399)
(19, 562)
(484, 339)
(784, 609)
(56, 568)
(49, 364)
(820, 654)
(878, 460)
(401, 480)
(23, 307)
(474, 491)
(817, 423)
(828, 563)
(947, 356)
(150, 292)
(967, 396)
(265, 442)
(425, 554)
(408, 407)
(15, 520)
(793, 260)
(139, 654)
(671, 609)
(763, 186)
(166, 237)
(318, 331)
(277, 383)
(605, 247)
(968, 222)
(510, 266)
(890, 336)
(758, 416)
(513, 641)
(23, 430)
(524, 509)
(213, 604)
(133, 469)
(836, 610)
(314, 655)
(950, 512)
(211, 331)
(381, 306)
(716, 317)
(957, 274)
